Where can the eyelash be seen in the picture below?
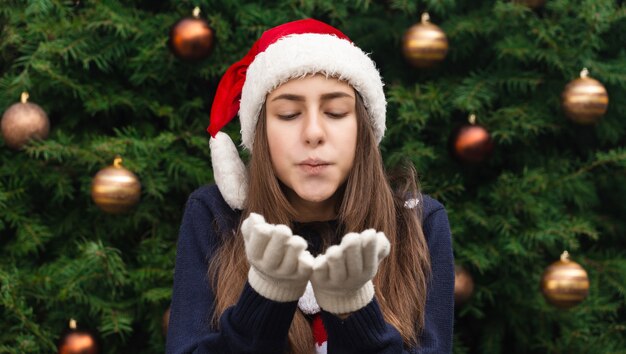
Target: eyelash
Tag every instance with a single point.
(332, 115)
(289, 117)
(337, 115)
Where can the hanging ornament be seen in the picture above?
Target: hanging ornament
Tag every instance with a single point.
(22, 122)
(424, 44)
(585, 100)
(463, 285)
(533, 4)
(471, 143)
(191, 38)
(78, 341)
(115, 189)
(165, 321)
(565, 283)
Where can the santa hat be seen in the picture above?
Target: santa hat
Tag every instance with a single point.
(291, 50)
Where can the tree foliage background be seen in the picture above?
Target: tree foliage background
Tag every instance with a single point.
(102, 71)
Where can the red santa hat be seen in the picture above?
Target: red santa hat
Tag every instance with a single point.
(291, 50)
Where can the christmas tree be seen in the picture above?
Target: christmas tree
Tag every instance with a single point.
(103, 73)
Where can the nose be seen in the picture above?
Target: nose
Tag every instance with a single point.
(314, 132)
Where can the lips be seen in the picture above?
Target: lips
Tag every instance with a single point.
(313, 166)
(313, 162)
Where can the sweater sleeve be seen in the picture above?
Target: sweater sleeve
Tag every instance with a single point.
(253, 325)
(439, 322)
(365, 331)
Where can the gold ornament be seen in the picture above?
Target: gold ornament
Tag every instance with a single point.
(424, 44)
(564, 283)
(585, 100)
(22, 122)
(463, 285)
(191, 38)
(533, 4)
(77, 341)
(115, 189)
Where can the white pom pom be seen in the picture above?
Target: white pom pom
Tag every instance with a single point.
(307, 302)
(229, 171)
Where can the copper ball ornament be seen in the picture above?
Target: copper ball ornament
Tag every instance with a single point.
(463, 285)
(165, 321)
(115, 189)
(191, 38)
(424, 44)
(533, 4)
(565, 283)
(471, 143)
(22, 122)
(78, 341)
(584, 100)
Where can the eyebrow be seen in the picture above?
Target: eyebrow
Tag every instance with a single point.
(325, 97)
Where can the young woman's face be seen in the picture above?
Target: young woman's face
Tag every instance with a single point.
(311, 132)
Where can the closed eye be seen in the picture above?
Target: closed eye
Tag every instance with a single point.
(287, 116)
(337, 115)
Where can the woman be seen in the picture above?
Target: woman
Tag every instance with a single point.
(309, 249)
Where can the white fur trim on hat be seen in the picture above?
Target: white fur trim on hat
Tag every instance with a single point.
(298, 55)
(229, 171)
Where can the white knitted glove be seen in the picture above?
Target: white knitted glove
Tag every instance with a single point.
(342, 277)
(280, 266)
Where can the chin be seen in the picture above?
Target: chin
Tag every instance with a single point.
(315, 195)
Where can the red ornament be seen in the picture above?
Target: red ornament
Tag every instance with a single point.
(471, 143)
(78, 341)
(191, 38)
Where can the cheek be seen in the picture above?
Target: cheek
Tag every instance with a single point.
(271, 138)
(277, 147)
(347, 141)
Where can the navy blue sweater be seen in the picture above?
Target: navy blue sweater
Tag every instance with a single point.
(258, 325)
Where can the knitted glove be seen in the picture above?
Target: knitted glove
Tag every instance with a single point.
(342, 277)
(280, 266)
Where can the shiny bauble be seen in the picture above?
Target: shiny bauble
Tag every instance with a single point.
(424, 44)
(584, 100)
(165, 321)
(533, 4)
(115, 189)
(78, 341)
(24, 121)
(463, 285)
(565, 283)
(470, 143)
(191, 38)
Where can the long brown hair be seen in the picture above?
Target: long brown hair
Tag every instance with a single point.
(401, 281)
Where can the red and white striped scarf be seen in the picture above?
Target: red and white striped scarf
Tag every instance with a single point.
(319, 334)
